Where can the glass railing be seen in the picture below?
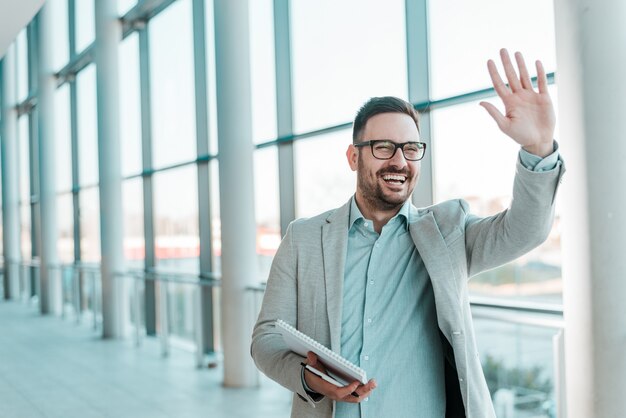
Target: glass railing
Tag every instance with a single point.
(178, 307)
(522, 355)
(81, 292)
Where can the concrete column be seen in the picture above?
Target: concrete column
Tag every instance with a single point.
(50, 298)
(108, 36)
(234, 116)
(591, 61)
(10, 178)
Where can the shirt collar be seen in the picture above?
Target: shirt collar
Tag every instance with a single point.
(403, 213)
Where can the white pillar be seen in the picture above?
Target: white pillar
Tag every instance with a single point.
(591, 58)
(50, 298)
(234, 115)
(108, 36)
(10, 178)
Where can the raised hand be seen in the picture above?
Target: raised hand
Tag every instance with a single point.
(529, 115)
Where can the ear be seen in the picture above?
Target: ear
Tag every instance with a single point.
(353, 157)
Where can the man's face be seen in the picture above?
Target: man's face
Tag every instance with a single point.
(377, 180)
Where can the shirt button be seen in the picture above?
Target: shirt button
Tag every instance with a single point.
(460, 379)
(371, 281)
(366, 224)
(367, 399)
(366, 358)
(369, 320)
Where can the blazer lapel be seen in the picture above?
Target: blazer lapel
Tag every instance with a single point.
(334, 248)
(434, 252)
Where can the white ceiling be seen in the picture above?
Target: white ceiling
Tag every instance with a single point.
(14, 16)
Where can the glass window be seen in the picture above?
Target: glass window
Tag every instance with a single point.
(216, 240)
(267, 207)
(518, 364)
(61, 51)
(132, 205)
(21, 49)
(63, 139)
(65, 225)
(263, 70)
(177, 240)
(211, 83)
(24, 158)
(176, 220)
(85, 24)
(124, 6)
(130, 106)
(458, 58)
(344, 53)
(469, 149)
(172, 85)
(318, 190)
(89, 209)
(25, 231)
(1, 241)
(216, 225)
(87, 126)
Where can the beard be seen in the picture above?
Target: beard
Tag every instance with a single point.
(373, 193)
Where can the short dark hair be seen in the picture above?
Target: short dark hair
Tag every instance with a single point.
(377, 105)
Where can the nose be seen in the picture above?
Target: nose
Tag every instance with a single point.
(397, 159)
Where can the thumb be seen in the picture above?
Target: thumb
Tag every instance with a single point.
(311, 359)
(495, 114)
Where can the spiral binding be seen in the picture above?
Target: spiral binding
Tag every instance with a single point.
(342, 360)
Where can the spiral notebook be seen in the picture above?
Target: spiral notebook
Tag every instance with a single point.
(337, 367)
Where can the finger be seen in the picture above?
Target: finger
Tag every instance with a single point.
(542, 79)
(523, 71)
(346, 392)
(495, 114)
(364, 390)
(498, 84)
(511, 75)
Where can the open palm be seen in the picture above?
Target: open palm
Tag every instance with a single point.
(529, 115)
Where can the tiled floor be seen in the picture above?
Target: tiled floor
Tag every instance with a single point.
(55, 368)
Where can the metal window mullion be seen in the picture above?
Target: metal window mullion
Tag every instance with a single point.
(419, 90)
(71, 20)
(33, 146)
(148, 197)
(204, 185)
(75, 173)
(284, 113)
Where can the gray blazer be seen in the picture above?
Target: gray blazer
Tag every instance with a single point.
(306, 279)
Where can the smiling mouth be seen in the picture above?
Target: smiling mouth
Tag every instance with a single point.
(395, 179)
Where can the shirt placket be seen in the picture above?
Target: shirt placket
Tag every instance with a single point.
(367, 358)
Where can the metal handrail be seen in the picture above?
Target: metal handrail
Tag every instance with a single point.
(202, 279)
(517, 305)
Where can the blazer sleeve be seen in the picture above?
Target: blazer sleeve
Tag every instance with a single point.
(501, 238)
(268, 349)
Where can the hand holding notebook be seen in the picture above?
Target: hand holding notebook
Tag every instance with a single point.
(339, 369)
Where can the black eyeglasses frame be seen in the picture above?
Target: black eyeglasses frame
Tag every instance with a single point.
(400, 145)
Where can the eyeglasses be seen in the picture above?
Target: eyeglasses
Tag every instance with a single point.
(384, 149)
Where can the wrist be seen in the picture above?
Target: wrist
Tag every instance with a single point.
(542, 149)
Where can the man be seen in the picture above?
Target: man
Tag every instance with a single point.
(385, 284)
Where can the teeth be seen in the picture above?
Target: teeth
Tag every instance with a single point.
(394, 177)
